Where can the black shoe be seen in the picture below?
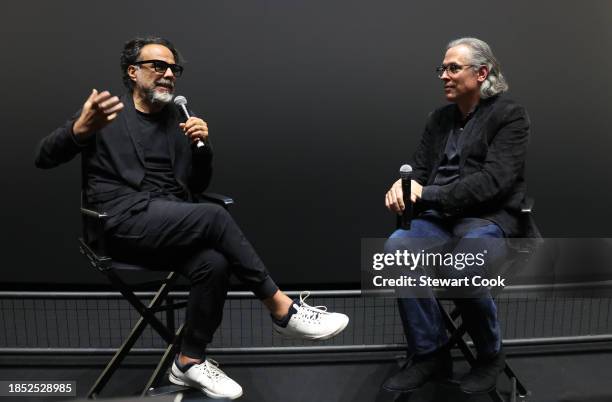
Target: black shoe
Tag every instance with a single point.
(419, 370)
(482, 378)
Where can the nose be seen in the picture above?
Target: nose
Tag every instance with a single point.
(169, 74)
(444, 77)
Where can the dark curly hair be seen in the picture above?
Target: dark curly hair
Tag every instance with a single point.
(131, 53)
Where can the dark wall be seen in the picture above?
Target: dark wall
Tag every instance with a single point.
(312, 105)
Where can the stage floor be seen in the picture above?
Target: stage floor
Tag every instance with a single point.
(556, 377)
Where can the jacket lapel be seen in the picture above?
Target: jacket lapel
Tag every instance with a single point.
(129, 120)
(445, 128)
(473, 132)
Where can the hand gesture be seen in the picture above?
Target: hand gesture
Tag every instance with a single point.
(98, 111)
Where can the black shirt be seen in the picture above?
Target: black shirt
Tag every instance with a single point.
(448, 171)
(159, 178)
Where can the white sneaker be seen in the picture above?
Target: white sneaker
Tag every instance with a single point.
(312, 323)
(207, 377)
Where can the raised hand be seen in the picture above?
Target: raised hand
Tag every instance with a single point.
(98, 110)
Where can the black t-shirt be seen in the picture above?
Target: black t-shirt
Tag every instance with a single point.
(159, 178)
(448, 171)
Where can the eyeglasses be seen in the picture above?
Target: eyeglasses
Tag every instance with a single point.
(161, 67)
(451, 69)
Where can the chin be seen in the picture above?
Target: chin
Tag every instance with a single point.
(162, 97)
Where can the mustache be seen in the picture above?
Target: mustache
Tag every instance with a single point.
(165, 82)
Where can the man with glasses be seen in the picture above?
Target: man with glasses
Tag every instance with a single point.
(144, 167)
(468, 173)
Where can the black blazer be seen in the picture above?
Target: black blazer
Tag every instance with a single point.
(113, 161)
(491, 182)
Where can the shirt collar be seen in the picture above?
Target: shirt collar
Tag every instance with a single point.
(459, 120)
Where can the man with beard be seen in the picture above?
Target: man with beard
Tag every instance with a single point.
(144, 168)
(468, 186)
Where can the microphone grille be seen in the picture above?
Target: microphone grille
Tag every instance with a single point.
(180, 100)
(405, 171)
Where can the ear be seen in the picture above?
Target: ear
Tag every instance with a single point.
(482, 73)
(131, 71)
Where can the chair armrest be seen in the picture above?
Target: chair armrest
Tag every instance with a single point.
(94, 231)
(90, 213)
(220, 199)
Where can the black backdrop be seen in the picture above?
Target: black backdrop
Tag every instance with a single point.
(313, 106)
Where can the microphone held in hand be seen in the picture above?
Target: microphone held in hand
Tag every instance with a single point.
(181, 102)
(406, 176)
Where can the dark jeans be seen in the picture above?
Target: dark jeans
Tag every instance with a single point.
(421, 318)
(202, 242)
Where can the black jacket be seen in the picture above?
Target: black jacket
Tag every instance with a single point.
(491, 182)
(113, 161)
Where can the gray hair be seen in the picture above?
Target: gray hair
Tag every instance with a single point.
(481, 55)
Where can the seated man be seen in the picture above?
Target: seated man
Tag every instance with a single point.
(144, 168)
(468, 184)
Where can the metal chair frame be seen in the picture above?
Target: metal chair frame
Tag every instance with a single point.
(98, 256)
(457, 330)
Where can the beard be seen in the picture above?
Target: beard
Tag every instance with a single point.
(157, 97)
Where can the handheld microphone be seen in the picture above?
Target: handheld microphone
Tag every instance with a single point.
(406, 176)
(181, 102)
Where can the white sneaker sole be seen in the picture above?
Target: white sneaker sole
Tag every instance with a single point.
(279, 331)
(175, 380)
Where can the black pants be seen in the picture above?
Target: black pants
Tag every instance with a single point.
(202, 242)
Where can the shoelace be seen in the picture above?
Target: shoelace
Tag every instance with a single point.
(211, 369)
(310, 312)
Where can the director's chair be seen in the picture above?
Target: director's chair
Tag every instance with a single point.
(93, 245)
(521, 250)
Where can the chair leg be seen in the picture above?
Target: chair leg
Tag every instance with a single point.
(164, 363)
(452, 327)
(518, 388)
(456, 336)
(141, 308)
(513, 391)
(118, 357)
(170, 315)
(127, 345)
